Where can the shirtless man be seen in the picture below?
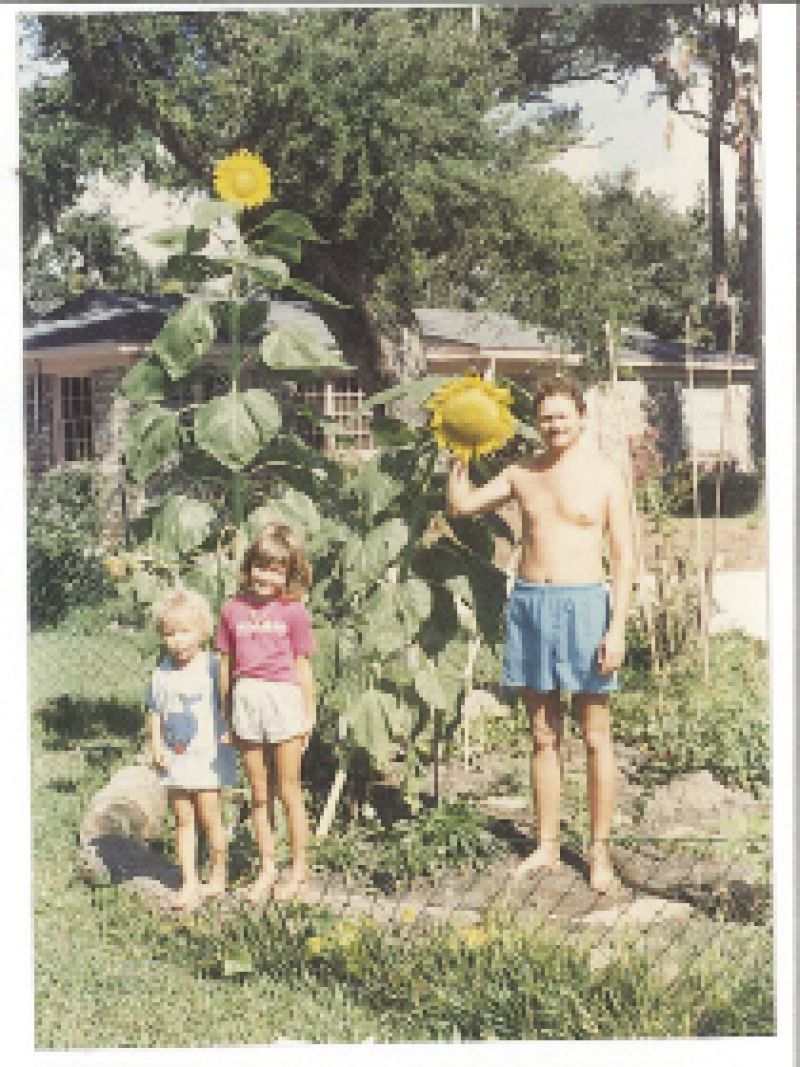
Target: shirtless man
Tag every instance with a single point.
(564, 631)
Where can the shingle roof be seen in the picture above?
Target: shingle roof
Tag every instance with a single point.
(98, 316)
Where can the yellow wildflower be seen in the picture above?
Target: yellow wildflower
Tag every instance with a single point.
(115, 567)
(471, 417)
(243, 179)
(314, 946)
(408, 914)
(474, 936)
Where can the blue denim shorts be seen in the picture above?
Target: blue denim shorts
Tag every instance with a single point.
(553, 633)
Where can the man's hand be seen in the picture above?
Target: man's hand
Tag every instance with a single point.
(611, 652)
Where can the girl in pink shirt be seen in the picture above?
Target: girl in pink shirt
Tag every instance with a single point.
(265, 640)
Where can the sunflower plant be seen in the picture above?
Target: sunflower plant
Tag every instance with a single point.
(228, 272)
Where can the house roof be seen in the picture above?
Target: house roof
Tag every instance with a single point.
(98, 316)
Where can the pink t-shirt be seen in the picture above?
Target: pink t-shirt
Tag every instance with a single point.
(264, 637)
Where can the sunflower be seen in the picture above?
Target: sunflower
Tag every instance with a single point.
(243, 179)
(471, 417)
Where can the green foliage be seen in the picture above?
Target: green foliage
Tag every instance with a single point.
(184, 339)
(63, 532)
(292, 348)
(233, 428)
(151, 440)
(389, 857)
(687, 726)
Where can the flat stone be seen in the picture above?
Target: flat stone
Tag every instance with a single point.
(641, 912)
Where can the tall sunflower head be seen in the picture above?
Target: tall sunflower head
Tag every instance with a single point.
(243, 179)
(471, 417)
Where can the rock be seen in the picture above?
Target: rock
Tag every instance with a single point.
(696, 803)
(643, 911)
(132, 804)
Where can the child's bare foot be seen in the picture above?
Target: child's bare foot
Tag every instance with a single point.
(546, 857)
(260, 890)
(213, 889)
(186, 898)
(601, 871)
(292, 888)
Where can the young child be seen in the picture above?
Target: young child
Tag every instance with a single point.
(265, 639)
(188, 738)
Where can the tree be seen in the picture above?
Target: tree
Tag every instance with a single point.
(374, 122)
(86, 248)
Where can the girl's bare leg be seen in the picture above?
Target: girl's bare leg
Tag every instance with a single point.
(288, 756)
(596, 726)
(544, 713)
(209, 810)
(255, 765)
(186, 847)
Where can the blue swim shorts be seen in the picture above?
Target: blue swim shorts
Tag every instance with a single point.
(553, 633)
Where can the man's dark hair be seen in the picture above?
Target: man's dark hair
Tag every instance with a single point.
(559, 385)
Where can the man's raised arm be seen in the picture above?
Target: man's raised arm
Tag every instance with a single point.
(464, 498)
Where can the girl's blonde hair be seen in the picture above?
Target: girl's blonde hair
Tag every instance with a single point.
(276, 541)
(184, 602)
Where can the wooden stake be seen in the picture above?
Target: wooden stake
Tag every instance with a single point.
(721, 455)
(328, 812)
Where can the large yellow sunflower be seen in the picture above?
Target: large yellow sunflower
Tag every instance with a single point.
(243, 179)
(471, 417)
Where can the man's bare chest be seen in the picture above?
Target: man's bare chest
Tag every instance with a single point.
(574, 498)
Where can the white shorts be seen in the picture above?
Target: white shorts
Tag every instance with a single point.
(267, 711)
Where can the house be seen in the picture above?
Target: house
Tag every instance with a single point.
(75, 357)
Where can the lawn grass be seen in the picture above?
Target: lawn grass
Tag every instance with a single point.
(89, 992)
(104, 978)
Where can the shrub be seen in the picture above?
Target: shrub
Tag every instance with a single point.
(63, 531)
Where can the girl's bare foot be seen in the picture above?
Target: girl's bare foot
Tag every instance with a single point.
(260, 890)
(292, 888)
(546, 857)
(601, 871)
(186, 898)
(213, 889)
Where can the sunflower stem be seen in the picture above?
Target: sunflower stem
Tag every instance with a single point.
(235, 370)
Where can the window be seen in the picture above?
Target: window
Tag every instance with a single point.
(76, 417)
(336, 399)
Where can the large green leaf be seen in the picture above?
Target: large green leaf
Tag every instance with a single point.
(384, 630)
(207, 212)
(311, 292)
(367, 724)
(292, 507)
(290, 224)
(429, 688)
(373, 488)
(151, 439)
(213, 576)
(365, 561)
(185, 338)
(146, 380)
(269, 270)
(417, 390)
(233, 428)
(181, 526)
(171, 237)
(295, 348)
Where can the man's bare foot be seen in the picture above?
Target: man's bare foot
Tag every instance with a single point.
(186, 898)
(601, 872)
(260, 890)
(545, 857)
(292, 888)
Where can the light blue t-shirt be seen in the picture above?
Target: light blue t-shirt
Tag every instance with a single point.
(187, 701)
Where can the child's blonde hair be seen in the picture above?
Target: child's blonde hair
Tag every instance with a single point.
(184, 602)
(278, 541)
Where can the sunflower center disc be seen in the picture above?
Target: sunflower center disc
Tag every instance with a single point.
(244, 182)
(471, 417)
